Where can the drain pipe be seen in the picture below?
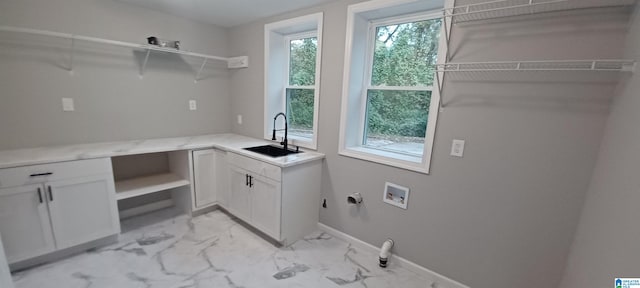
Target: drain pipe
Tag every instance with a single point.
(385, 252)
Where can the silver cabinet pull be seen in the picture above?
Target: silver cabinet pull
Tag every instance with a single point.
(50, 194)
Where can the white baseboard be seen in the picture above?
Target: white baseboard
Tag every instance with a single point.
(439, 281)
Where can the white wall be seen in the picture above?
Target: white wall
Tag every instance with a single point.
(505, 214)
(112, 103)
(606, 242)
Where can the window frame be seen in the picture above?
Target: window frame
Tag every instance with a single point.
(288, 30)
(368, 86)
(287, 85)
(355, 147)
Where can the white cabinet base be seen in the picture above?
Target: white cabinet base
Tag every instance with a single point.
(52, 207)
(24, 222)
(283, 203)
(65, 253)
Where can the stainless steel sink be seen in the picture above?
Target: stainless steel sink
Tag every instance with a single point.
(272, 151)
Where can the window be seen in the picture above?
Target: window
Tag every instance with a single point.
(300, 88)
(292, 75)
(400, 85)
(390, 106)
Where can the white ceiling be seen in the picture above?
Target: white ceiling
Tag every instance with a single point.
(226, 13)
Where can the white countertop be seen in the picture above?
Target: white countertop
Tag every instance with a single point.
(228, 142)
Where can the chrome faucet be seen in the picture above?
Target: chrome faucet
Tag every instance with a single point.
(285, 141)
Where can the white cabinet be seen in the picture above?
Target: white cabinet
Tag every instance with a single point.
(281, 202)
(81, 210)
(204, 172)
(210, 178)
(240, 199)
(265, 204)
(24, 222)
(222, 178)
(49, 209)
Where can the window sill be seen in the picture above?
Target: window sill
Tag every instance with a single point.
(398, 160)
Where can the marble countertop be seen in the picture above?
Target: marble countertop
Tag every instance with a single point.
(227, 142)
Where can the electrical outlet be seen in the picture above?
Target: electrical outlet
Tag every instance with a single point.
(67, 104)
(240, 119)
(193, 105)
(457, 148)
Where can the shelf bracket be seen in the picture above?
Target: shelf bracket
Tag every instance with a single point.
(144, 64)
(73, 46)
(440, 85)
(447, 33)
(200, 71)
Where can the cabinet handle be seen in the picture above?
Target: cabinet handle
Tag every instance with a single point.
(50, 194)
(41, 174)
(250, 181)
(246, 179)
(40, 195)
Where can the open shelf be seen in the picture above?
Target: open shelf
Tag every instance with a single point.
(555, 65)
(509, 8)
(233, 62)
(149, 184)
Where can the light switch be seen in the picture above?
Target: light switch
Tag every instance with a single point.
(67, 104)
(193, 105)
(240, 119)
(457, 148)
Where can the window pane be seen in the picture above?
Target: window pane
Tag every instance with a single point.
(397, 120)
(405, 54)
(300, 112)
(302, 62)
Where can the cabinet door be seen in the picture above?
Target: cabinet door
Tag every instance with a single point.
(265, 206)
(204, 174)
(24, 222)
(222, 176)
(82, 209)
(239, 200)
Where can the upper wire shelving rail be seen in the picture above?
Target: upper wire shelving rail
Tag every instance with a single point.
(509, 8)
(609, 65)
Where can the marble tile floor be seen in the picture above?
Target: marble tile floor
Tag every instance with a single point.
(213, 250)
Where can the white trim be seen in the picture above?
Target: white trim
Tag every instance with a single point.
(300, 87)
(317, 20)
(391, 159)
(443, 281)
(401, 88)
(384, 157)
(408, 18)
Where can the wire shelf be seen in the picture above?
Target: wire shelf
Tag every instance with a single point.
(509, 8)
(555, 65)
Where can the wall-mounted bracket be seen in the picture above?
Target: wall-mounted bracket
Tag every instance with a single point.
(238, 62)
(447, 33)
(630, 67)
(144, 64)
(440, 80)
(204, 63)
